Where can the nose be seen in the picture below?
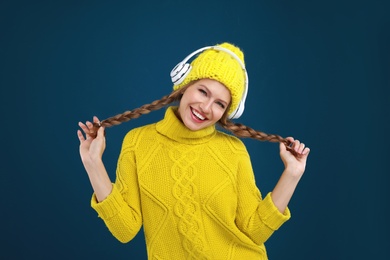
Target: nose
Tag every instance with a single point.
(206, 106)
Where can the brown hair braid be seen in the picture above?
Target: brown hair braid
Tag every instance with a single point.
(244, 131)
(135, 113)
(237, 129)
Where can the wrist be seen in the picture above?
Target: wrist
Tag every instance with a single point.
(91, 162)
(293, 172)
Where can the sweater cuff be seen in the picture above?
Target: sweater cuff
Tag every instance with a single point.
(110, 206)
(273, 217)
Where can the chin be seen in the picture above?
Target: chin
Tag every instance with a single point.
(193, 127)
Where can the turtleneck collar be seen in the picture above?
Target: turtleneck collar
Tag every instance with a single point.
(173, 128)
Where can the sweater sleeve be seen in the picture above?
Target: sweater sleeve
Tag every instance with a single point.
(121, 210)
(258, 218)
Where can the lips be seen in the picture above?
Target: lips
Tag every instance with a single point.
(198, 115)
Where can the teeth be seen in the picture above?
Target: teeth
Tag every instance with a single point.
(198, 115)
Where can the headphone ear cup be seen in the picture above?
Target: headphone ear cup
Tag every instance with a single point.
(238, 112)
(179, 72)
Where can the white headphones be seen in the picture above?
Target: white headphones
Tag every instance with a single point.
(181, 70)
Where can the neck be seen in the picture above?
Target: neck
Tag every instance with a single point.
(172, 127)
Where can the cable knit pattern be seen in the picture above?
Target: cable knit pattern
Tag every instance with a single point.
(193, 192)
(187, 207)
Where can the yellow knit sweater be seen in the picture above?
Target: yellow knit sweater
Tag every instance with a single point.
(193, 192)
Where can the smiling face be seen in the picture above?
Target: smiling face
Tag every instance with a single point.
(203, 104)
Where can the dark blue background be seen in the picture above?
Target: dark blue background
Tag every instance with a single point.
(318, 70)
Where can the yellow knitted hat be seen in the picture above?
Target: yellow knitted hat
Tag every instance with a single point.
(220, 66)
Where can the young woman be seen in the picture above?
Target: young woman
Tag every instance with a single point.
(191, 186)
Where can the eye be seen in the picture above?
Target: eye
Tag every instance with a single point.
(203, 92)
(221, 104)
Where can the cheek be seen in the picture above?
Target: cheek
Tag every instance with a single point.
(218, 113)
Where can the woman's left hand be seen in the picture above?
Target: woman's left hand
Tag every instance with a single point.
(295, 164)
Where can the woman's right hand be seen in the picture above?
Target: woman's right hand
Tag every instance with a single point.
(91, 149)
(91, 152)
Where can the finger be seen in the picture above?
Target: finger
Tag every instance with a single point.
(301, 147)
(96, 119)
(81, 124)
(282, 147)
(296, 145)
(80, 136)
(96, 124)
(84, 127)
(306, 151)
(290, 140)
(100, 132)
(89, 125)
